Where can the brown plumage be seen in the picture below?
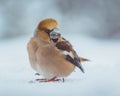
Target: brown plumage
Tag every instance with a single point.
(50, 54)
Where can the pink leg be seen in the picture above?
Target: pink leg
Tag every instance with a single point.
(48, 80)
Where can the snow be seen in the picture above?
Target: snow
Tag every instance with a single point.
(101, 77)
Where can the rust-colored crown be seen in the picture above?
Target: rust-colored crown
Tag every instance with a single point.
(44, 26)
(48, 24)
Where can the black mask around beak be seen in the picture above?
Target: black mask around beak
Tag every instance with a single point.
(55, 35)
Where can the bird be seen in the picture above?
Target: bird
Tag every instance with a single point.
(50, 54)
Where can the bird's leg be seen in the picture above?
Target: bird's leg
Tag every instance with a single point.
(48, 80)
(53, 79)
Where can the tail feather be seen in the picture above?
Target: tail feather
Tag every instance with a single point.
(82, 59)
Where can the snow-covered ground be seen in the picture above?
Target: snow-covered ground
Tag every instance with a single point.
(101, 78)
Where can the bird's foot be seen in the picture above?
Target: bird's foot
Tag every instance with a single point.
(54, 79)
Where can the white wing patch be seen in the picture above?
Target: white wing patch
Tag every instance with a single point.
(68, 53)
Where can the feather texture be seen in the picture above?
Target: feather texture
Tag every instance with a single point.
(70, 53)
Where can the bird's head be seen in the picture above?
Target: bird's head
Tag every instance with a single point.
(48, 29)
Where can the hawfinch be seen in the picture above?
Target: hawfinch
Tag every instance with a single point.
(50, 54)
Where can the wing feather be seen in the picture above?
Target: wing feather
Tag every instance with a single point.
(70, 53)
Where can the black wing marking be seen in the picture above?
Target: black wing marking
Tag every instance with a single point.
(71, 55)
(75, 61)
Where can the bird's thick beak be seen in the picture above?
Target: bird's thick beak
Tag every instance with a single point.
(55, 34)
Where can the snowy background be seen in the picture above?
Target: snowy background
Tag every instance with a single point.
(91, 26)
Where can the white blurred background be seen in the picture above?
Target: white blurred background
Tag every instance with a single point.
(97, 18)
(93, 28)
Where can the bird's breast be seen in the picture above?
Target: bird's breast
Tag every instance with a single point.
(49, 61)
